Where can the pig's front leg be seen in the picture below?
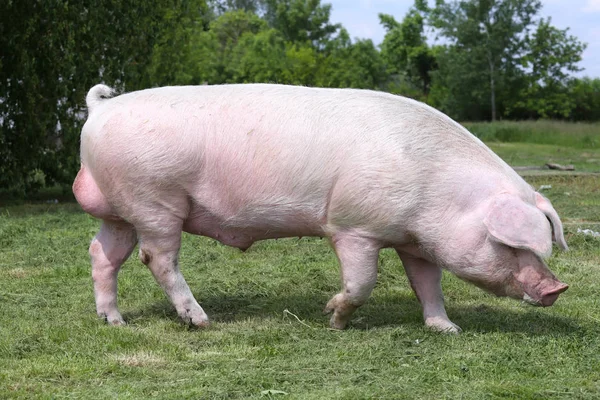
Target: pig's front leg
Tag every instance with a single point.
(160, 254)
(358, 261)
(425, 279)
(108, 251)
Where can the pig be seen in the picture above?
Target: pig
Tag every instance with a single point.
(365, 169)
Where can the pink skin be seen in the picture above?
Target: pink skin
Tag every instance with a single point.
(150, 171)
(425, 278)
(108, 251)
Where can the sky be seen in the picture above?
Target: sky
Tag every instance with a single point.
(360, 18)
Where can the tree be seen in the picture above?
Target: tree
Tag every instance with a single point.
(585, 94)
(301, 20)
(405, 50)
(170, 63)
(215, 54)
(458, 87)
(266, 57)
(347, 64)
(52, 53)
(221, 6)
(487, 39)
(551, 55)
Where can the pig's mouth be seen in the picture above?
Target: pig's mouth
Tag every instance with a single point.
(546, 297)
(538, 286)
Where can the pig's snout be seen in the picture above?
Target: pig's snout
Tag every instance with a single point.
(548, 295)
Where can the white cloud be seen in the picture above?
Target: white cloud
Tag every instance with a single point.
(592, 6)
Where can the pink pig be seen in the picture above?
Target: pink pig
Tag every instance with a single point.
(368, 170)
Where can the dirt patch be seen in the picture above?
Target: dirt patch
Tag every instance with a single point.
(140, 359)
(18, 273)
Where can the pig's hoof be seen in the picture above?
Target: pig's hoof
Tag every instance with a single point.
(342, 311)
(332, 304)
(442, 325)
(337, 322)
(114, 320)
(201, 324)
(197, 318)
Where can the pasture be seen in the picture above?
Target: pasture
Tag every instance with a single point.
(268, 337)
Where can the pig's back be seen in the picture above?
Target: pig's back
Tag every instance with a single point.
(281, 125)
(251, 154)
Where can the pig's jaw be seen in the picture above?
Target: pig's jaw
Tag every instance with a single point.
(528, 299)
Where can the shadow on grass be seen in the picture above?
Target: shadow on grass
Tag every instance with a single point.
(531, 321)
(380, 311)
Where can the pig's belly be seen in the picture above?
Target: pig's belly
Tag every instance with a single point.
(242, 231)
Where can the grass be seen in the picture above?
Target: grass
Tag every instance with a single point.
(269, 338)
(566, 134)
(524, 154)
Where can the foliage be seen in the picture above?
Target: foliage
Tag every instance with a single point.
(221, 6)
(172, 53)
(52, 53)
(550, 57)
(585, 93)
(355, 65)
(212, 50)
(487, 42)
(241, 47)
(301, 20)
(406, 52)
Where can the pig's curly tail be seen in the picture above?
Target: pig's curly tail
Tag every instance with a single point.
(98, 94)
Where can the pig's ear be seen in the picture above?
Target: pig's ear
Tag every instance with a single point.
(558, 236)
(517, 224)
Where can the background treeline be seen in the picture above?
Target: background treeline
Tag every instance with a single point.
(498, 60)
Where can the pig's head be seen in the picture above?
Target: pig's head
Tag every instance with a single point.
(509, 248)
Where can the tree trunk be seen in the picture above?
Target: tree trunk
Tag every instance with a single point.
(492, 87)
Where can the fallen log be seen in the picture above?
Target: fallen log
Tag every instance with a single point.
(560, 167)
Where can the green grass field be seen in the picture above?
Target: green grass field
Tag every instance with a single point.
(566, 134)
(269, 338)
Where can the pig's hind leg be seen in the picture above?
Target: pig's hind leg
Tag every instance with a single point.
(358, 261)
(160, 251)
(425, 279)
(108, 251)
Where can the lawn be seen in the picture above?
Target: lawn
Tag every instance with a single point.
(269, 339)
(528, 155)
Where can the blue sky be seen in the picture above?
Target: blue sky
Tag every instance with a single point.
(359, 17)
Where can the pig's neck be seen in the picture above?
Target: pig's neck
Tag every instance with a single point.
(450, 226)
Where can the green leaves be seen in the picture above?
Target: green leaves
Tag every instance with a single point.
(241, 47)
(406, 53)
(53, 52)
(585, 93)
(493, 65)
(301, 20)
(550, 56)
